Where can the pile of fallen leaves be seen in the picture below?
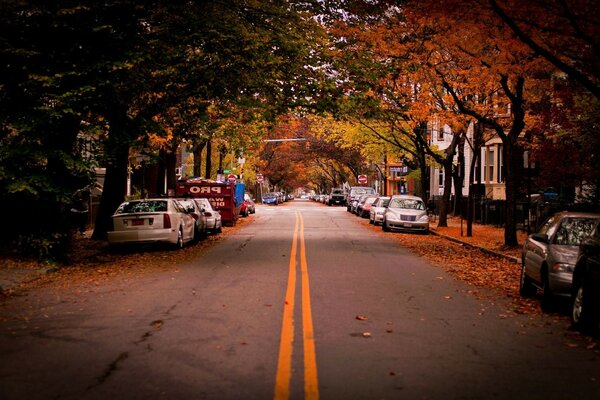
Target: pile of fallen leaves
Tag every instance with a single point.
(92, 262)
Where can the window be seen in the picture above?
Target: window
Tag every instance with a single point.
(440, 177)
(501, 171)
(490, 161)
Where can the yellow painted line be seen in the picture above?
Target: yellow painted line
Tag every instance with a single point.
(311, 381)
(284, 363)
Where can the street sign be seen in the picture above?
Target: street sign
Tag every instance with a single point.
(260, 178)
(231, 178)
(362, 179)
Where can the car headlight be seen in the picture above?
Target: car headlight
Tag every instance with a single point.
(391, 216)
(563, 267)
(424, 218)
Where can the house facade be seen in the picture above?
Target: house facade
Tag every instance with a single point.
(489, 170)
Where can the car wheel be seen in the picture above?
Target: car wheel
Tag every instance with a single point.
(371, 221)
(526, 288)
(385, 226)
(179, 244)
(581, 312)
(219, 229)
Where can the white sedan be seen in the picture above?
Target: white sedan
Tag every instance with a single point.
(213, 217)
(152, 220)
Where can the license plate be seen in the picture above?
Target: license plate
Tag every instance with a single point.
(137, 222)
(407, 225)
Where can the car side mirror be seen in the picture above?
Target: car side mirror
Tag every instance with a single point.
(540, 237)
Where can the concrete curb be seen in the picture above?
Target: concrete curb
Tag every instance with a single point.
(474, 246)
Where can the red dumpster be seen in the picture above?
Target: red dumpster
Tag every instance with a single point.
(221, 196)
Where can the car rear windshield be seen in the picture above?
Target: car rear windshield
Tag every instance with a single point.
(572, 231)
(142, 206)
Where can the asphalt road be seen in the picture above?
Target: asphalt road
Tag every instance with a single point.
(304, 302)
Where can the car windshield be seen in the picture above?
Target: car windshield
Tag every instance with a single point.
(407, 203)
(572, 231)
(143, 206)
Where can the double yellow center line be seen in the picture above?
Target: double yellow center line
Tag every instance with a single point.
(284, 363)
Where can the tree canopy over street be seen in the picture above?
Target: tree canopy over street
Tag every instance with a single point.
(89, 84)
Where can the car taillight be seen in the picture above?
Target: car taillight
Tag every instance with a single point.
(166, 221)
(195, 216)
(207, 214)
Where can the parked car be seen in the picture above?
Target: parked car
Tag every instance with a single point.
(406, 213)
(152, 220)
(377, 210)
(365, 206)
(270, 198)
(549, 255)
(248, 205)
(195, 210)
(336, 197)
(214, 222)
(357, 203)
(354, 193)
(585, 292)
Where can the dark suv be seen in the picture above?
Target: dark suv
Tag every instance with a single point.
(336, 197)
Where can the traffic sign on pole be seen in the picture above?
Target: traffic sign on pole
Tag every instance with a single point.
(231, 178)
(362, 179)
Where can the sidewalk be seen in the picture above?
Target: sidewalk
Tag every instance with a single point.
(487, 238)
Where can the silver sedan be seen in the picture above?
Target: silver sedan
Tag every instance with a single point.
(549, 255)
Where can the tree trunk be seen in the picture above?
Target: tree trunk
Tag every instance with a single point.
(197, 151)
(443, 205)
(115, 186)
(170, 165)
(513, 156)
(476, 148)
(459, 177)
(208, 159)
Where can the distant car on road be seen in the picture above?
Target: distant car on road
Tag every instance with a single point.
(248, 205)
(270, 198)
(406, 213)
(152, 220)
(337, 197)
(548, 257)
(354, 193)
(585, 291)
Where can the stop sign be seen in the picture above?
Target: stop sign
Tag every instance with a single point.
(231, 178)
(260, 178)
(362, 179)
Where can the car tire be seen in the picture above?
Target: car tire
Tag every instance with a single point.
(526, 288)
(179, 244)
(371, 221)
(582, 314)
(385, 226)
